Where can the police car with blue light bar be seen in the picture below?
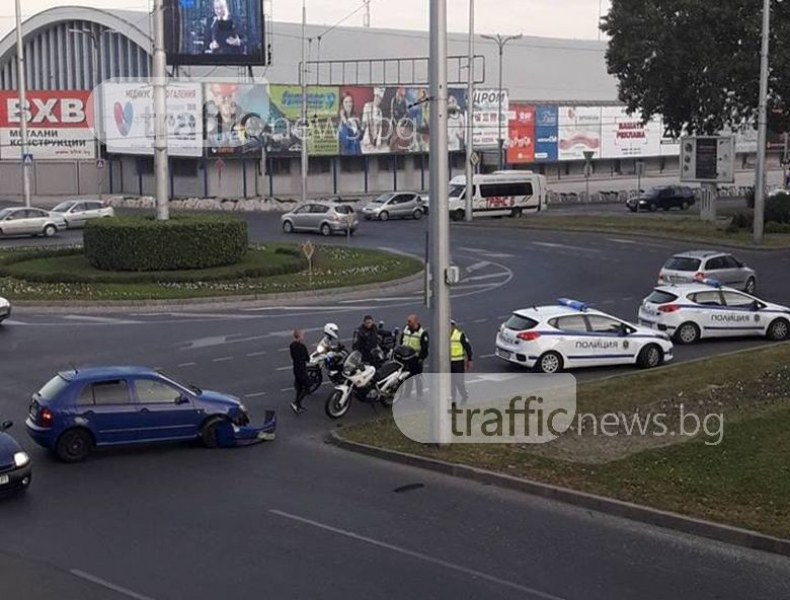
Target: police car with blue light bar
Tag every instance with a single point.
(572, 334)
(690, 312)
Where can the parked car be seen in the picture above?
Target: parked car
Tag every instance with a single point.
(79, 410)
(321, 216)
(394, 205)
(663, 197)
(698, 265)
(5, 309)
(30, 221)
(16, 469)
(78, 212)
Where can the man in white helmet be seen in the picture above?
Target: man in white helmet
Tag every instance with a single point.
(330, 339)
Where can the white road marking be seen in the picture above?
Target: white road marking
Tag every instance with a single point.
(477, 266)
(109, 320)
(365, 300)
(223, 359)
(265, 308)
(487, 253)
(251, 354)
(480, 321)
(256, 395)
(417, 555)
(187, 364)
(283, 368)
(565, 247)
(619, 241)
(13, 322)
(108, 585)
(487, 355)
(482, 277)
(286, 389)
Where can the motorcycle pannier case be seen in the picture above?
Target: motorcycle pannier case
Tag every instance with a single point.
(404, 354)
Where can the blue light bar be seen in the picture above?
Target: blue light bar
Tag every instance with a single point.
(712, 282)
(574, 304)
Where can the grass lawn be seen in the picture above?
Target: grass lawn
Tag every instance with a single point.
(676, 227)
(263, 271)
(735, 473)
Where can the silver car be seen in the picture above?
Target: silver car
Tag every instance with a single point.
(30, 221)
(698, 265)
(78, 212)
(393, 205)
(5, 309)
(323, 217)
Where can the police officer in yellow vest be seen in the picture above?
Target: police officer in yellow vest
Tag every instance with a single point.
(415, 337)
(460, 361)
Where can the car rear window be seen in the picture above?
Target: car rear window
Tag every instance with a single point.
(53, 387)
(519, 323)
(682, 263)
(659, 297)
(344, 209)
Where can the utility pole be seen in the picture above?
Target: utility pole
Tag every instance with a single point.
(305, 159)
(470, 109)
(160, 115)
(440, 219)
(762, 129)
(23, 112)
(501, 41)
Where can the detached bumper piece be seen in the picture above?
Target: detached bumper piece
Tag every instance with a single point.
(233, 436)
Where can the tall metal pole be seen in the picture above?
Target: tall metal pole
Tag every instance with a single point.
(160, 115)
(440, 218)
(762, 129)
(470, 109)
(97, 87)
(500, 141)
(305, 163)
(23, 112)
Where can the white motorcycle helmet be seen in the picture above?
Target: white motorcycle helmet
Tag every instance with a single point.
(331, 331)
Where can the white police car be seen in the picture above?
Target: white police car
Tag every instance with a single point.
(571, 335)
(693, 311)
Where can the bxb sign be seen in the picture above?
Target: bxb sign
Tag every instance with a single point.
(47, 112)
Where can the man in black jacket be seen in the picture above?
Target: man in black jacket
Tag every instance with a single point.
(366, 339)
(300, 357)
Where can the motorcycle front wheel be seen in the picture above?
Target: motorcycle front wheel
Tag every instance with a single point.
(335, 409)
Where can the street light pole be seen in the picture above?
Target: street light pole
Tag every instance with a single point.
(501, 41)
(305, 159)
(23, 112)
(470, 108)
(762, 129)
(160, 115)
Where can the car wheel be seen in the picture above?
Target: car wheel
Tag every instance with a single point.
(417, 214)
(516, 214)
(458, 215)
(288, 227)
(751, 286)
(551, 362)
(684, 205)
(632, 209)
(652, 207)
(384, 215)
(666, 208)
(208, 433)
(74, 445)
(333, 408)
(687, 333)
(651, 356)
(779, 330)
(326, 230)
(50, 230)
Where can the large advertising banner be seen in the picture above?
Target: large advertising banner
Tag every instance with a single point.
(487, 118)
(285, 113)
(624, 136)
(128, 118)
(59, 126)
(235, 118)
(521, 134)
(546, 133)
(579, 132)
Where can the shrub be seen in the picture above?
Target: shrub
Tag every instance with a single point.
(777, 227)
(183, 242)
(740, 220)
(777, 208)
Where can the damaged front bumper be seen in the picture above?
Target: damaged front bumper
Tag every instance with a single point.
(230, 435)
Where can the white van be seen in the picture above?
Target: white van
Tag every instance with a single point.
(498, 194)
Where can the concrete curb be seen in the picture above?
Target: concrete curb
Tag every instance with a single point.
(617, 508)
(411, 283)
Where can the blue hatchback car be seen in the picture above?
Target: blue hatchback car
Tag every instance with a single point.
(79, 410)
(15, 467)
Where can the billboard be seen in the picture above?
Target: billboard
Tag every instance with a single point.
(579, 132)
(59, 126)
(214, 32)
(487, 117)
(235, 118)
(128, 118)
(546, 133)
(521, 134)
(624, 136)
(285, 113)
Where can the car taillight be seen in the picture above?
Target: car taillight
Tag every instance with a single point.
(699, 276)
(528, 336)
(668, 308)
(46, 418)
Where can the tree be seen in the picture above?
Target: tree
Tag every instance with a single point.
(697, 62)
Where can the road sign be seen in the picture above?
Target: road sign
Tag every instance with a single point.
(707, 159)
(28, 159)
(474, 159)
(219, 164)
(100, 163)
(308, 249)
(588, 154)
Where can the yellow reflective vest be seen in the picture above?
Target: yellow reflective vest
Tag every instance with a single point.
(456, 347)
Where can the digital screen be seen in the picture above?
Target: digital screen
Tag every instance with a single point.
(214, 32)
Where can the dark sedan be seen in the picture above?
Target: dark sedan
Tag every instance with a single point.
(15, 465)
(664, 198)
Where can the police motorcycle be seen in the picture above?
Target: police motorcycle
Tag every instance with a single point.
(370, 384)
(330, 355)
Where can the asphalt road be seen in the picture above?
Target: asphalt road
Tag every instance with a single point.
(297, 518)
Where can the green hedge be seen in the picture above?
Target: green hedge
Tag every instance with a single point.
(777, 209)
(182, 242)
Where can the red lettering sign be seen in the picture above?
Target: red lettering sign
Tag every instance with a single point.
(48, 109)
